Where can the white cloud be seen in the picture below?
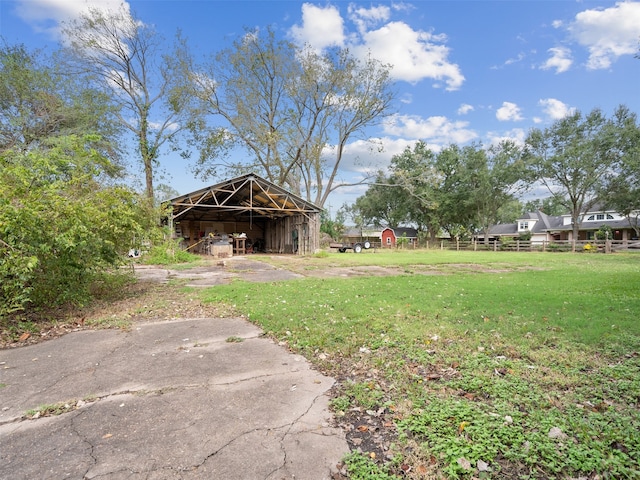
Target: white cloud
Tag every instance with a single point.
(414, 54)
(560, 59)
(608, 33)
(508, 112)
(321, 27)
(170, 127)
(366, 18)
(369, 156)
(46, 15)
(465, 108)
(510, 61)
(555, 109)
(406, 98)
(438, 130)
(517, 135)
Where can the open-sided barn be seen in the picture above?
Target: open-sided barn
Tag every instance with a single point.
(249, 213)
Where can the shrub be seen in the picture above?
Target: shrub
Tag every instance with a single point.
(59, 225)
(167, 252)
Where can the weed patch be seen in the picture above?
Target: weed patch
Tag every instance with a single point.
(234, 339)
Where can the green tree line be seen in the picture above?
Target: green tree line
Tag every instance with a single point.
(579, 160)
(65, 217)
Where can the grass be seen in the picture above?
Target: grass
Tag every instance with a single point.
(486, 364)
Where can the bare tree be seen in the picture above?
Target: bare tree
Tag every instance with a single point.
(293, 109)
(128, 60)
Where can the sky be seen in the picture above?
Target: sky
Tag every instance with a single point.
(464, 71)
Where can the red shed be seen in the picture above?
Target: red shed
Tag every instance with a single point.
(390, 236)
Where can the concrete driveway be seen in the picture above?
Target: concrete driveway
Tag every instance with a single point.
(186, 399)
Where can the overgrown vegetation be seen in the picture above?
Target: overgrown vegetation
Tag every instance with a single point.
(59, 227)
(168, 252)
(66, 221)
(479, 365)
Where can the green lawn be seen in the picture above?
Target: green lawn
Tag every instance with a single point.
(528, 363)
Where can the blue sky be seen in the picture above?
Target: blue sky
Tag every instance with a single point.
(465, 70)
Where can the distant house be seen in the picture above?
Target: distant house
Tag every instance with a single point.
(547, 228)
(389, 236)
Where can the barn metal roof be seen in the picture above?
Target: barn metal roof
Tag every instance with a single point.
(246, 196)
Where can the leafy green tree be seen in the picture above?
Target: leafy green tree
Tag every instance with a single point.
(621, 189)
(332, 227)
(128, 61)
(552, 205)
(457, 189)
(59, 225)
(623, 195)
(510, 211)
(415, 172)
(573, 157)
(383, 204)
(288, 107)
(455, 193)
(497, 178)
(39, 103)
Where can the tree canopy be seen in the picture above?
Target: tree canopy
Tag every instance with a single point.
(293, 110)
(63, 217)
(575, 155)
(621, 188)
(59, 225)
(39, 103)
(458, 189)
(128, 61)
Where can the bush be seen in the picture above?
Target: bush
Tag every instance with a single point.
(59, 225)
(168, 252)
(525, 236)
(506, 243)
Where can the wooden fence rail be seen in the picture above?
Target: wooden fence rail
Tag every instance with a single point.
(535, 246)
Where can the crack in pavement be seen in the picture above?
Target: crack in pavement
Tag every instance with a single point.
(76, 404)
(91, 446)
(223, 410)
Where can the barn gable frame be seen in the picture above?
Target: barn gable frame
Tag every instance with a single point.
(253, 205)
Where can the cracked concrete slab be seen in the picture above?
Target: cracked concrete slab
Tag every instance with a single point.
(166, 400)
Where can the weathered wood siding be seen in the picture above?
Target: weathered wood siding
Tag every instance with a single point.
(280, 236)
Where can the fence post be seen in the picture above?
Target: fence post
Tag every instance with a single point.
(495, 245)
(441, 244)
(457, 244)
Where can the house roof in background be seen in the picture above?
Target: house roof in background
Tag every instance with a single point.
(551, 223)
(595, 225)
(504, 229)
